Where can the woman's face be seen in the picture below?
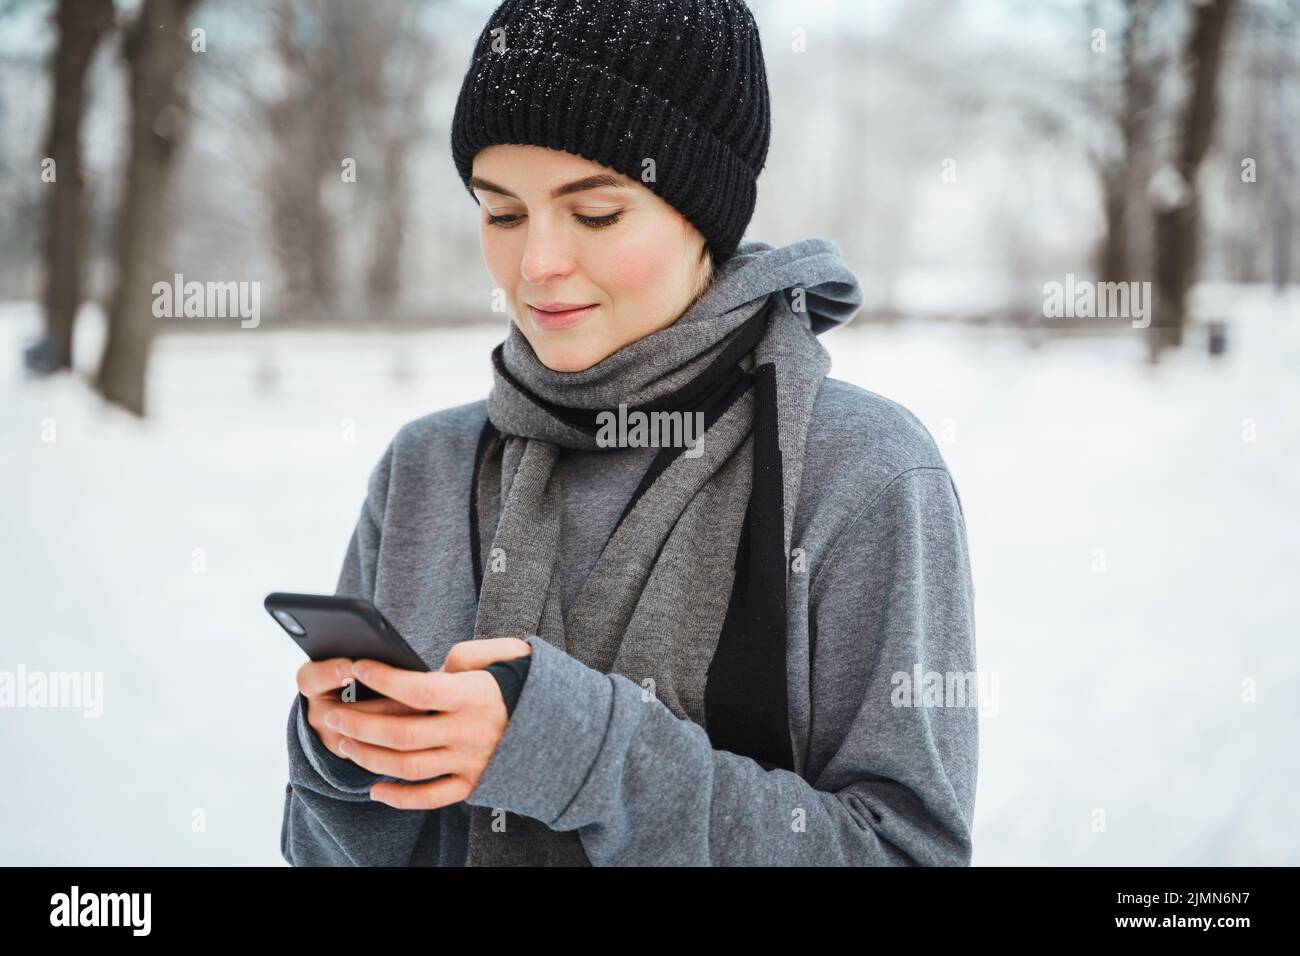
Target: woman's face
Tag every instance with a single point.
(553, 237)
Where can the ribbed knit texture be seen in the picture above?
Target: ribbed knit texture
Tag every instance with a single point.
(679, 82)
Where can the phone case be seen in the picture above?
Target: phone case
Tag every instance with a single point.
(343, 626)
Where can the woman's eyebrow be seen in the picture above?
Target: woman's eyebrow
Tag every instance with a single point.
(578, 185)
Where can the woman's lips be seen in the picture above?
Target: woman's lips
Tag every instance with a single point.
(552, 321)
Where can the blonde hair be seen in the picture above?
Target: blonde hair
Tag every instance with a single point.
(703, 275)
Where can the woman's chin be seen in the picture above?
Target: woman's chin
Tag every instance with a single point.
(568, 360)
(573, 350)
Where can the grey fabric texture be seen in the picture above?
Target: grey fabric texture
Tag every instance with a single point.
(667, 572)
(881, 588)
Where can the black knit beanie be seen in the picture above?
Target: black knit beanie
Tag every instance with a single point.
(619, 82)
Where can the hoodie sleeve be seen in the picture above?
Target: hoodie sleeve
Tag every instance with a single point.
(329, 818)
(895, 783)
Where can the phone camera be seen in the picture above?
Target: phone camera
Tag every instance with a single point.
(290, 623)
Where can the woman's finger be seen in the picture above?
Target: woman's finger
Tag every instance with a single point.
(379, 705)
(320, 707)
(316, 678)
(403, 764)
(386, 705)
(478, 654)
(422, 796)
(423, 690)
(405, 732)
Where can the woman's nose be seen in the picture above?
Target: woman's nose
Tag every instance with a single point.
(546, 253)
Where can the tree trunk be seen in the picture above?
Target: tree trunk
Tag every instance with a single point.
(157, 51)
(384, 278)
(307, 122)
(1114, 266)
(1283, 181)
(1176, 227)
(82, 24)
(1125, 249)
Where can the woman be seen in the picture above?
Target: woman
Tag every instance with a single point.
(701, 648)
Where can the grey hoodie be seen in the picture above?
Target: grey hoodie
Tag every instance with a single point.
(880, 660)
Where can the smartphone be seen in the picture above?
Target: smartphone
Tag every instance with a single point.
(326, 626)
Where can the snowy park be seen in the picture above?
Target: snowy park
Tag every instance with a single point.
(1132, 531)
(243, 244)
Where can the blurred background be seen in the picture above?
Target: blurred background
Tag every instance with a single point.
(1129, 474)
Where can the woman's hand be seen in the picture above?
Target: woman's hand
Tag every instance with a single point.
(320, 681)
(453, 745)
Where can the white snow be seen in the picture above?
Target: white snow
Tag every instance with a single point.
(1120, 692)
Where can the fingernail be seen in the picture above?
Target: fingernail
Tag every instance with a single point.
(331, 720)
(361, 670)
(345, 747)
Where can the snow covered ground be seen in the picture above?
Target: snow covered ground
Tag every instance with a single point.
(1133, 533)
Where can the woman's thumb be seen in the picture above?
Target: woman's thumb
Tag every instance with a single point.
(478, 654)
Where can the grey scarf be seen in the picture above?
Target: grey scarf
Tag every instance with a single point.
(714, 523)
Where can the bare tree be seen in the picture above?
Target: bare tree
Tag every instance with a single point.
(306, 124)
(390, 115)
(82, 25)
(156, 51)
(354, 87)
(1122, 173)
(1176, 218)
(1283, 54)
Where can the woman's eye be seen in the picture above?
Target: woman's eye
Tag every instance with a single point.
(509, 221)
(600, 222)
